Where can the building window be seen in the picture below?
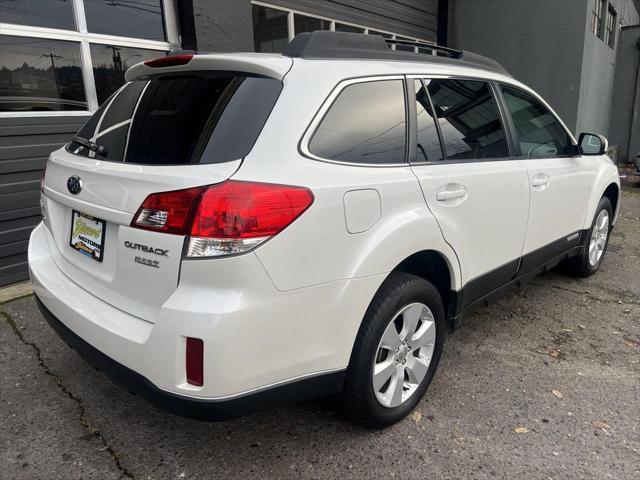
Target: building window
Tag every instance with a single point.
(40, 75)
(597, 12)
(138, 19)
(71, 55)
(304, 23)
(270, 29)
(610, 28)
(342, 27)
(110, 62)
(273, 27)
(38, 14)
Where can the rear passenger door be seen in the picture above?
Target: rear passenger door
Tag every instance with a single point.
(477, 191)
(560, 178)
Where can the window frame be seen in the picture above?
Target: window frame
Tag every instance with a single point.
(512, 128)
(506, 126)
(84, 39)
(303, 144)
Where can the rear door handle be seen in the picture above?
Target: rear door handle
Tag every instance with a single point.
(540, 180)
(451, 192)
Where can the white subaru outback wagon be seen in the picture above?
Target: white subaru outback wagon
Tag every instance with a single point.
(230, 232)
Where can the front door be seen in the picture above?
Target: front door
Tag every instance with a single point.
(478, 194)
(559, 178)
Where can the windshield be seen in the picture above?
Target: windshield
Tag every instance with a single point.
(173, 120)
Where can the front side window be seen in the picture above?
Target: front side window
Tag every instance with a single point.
(469, 119)
(40, 75)
(365, 124)
(539, 133)
(181, 119)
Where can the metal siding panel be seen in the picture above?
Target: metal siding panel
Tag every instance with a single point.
(405, 17)
(25, 144)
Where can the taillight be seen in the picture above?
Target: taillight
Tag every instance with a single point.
(169, 61)
(167, 212)
(224, 219)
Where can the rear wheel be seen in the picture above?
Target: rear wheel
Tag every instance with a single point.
(592, 253)
(396, 351)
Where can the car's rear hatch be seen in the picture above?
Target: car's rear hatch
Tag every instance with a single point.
(169, 130)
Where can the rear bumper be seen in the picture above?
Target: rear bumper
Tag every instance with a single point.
(262, 347)
(199, 409)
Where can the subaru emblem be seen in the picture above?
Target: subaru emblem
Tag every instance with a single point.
(74, 184)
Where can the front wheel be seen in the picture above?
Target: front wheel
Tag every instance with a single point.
(592, 253)
(396, 352)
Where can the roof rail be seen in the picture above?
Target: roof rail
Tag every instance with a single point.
(434, 48)
(323, 44)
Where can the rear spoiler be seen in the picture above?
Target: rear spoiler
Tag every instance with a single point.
(272, 66)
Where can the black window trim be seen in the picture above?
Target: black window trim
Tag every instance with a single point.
(318, 117)
(513, 132)
(506, 125)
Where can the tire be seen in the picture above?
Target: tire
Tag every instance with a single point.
(409, 294)
(583, 264)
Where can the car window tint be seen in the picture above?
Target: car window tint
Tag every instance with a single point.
(428, 144)
(365, 124)
(539, 132)
(469, 119)
(185, 119)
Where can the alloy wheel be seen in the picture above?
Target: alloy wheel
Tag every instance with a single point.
(598, 240)
(404, 354)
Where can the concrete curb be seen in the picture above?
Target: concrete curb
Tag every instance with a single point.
(15, 291)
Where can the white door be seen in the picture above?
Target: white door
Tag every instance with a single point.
(478, 195)
(560, 179)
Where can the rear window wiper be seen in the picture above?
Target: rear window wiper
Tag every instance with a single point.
(89, 145)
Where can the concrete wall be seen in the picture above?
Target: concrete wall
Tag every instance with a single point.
(625, 114)
(598, 72)
(539, 41)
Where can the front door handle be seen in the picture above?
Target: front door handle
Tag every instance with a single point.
(451, 191)
(540, 180)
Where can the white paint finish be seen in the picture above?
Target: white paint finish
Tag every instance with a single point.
(557, 207)
(238, 302)
(113, 192)
(362, 209)
(484, 214)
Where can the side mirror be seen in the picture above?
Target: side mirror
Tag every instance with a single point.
(592, 144)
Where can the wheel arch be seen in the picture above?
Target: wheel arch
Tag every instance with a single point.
(434, 267)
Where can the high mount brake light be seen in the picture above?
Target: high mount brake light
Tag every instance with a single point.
(170, 61)
(226, 218)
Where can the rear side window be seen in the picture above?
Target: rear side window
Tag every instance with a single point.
(469, 119)
(365, 124)
(539, 133)
(182, 119)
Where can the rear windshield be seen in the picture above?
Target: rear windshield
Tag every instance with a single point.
(181, 119)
